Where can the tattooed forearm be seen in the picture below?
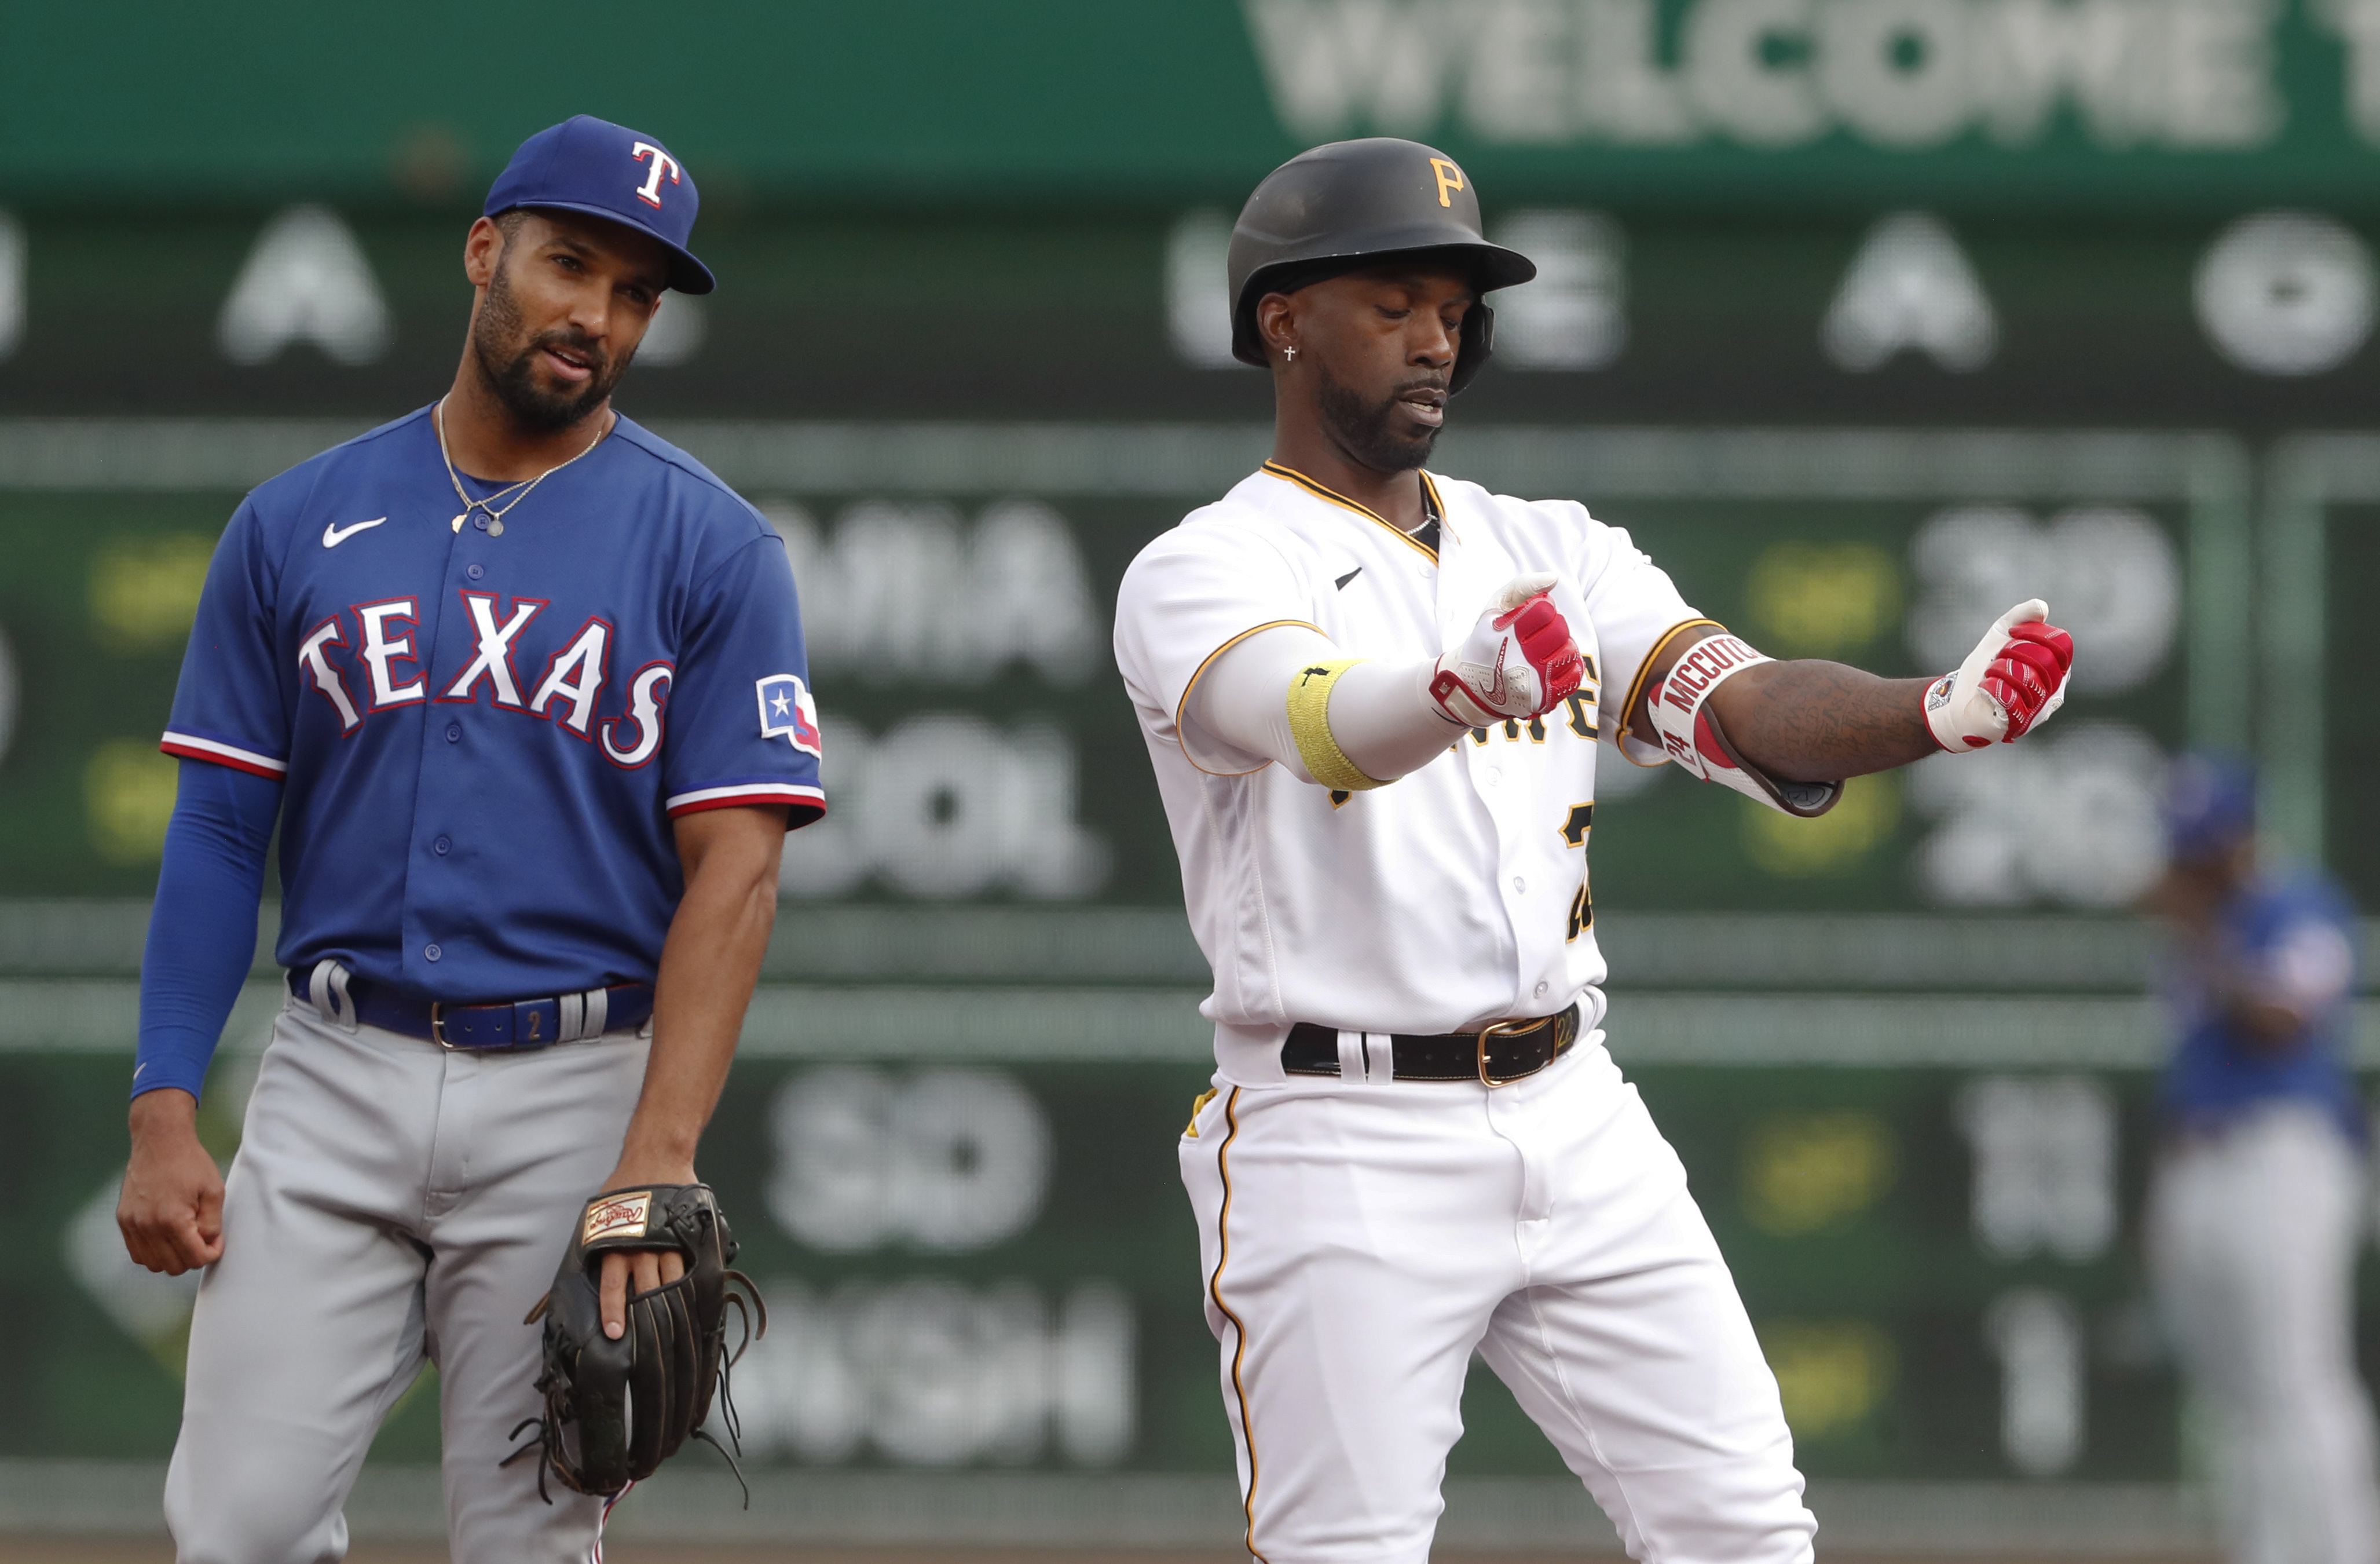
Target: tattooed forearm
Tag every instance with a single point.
(1810, 721)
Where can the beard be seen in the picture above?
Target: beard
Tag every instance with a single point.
(507, 361)
(1366, 430)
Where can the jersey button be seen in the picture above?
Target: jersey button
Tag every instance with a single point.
(475, 571)
(431, 953)
(1541, 991)
(454, 733)
(1519, 884)
(1495, 775)
(442, 847)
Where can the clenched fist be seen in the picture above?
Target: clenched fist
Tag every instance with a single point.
(2014, 679)
(1519, 661)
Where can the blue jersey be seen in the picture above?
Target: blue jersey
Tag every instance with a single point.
(2294, 939)
(483, 738)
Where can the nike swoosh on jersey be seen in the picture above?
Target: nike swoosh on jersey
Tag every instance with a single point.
(1349, 577)
(332, 537)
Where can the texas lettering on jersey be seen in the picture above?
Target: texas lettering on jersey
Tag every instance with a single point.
(387, 672)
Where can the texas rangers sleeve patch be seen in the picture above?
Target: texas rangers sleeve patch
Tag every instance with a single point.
(788, 713)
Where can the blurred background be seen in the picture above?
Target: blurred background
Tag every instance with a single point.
(1866, 318)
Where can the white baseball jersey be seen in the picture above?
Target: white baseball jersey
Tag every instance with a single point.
(1454, 897)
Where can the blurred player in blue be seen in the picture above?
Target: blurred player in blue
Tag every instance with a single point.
(2256, 1205)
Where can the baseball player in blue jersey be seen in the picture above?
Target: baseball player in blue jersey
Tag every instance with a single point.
(524, 689)
(2256, 1207)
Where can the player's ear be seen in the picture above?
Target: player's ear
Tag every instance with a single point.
(1277, 326)
(482, 248)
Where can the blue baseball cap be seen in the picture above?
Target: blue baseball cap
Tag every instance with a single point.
(2210, 806)
(606, 170)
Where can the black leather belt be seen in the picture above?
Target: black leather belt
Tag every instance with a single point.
(506, 1025)
(1496, 1055)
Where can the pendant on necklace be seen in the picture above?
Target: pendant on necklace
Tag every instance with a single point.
(458, 522)
(495, 525)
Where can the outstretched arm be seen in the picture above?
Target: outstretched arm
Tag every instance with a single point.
(1811, 721)
(1787, 732)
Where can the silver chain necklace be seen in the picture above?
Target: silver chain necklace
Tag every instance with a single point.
(489, 506)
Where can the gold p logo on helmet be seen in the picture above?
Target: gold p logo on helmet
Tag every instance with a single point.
(1450, 178)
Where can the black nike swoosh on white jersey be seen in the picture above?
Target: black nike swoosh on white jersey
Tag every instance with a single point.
(333, 534)
(1349, 577)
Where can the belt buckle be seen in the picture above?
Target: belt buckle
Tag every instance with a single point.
(438, 1028)
(1505, 1029)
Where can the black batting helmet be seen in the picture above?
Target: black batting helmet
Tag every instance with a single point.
(1350, 204)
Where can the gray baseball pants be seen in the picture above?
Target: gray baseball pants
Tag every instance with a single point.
(391, 1200)
(2252, 1235)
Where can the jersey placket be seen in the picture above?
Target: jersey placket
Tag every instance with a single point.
(452, 733)
(1506, 776)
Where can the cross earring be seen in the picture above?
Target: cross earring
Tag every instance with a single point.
(1290, 354)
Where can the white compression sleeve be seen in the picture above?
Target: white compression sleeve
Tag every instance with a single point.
(1381, 714)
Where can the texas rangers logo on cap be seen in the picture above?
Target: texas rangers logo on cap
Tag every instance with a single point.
(665, 167)
(606, 170)
(788, 713)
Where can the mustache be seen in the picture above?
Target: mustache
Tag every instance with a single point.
(575, 340)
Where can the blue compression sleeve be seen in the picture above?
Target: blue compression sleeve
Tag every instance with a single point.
(202, 931)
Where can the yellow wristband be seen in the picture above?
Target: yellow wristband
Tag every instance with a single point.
(1309, 724)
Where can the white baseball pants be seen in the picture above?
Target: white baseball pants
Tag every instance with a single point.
(2252, 1236)
(1361, 1239)
(390, 1201)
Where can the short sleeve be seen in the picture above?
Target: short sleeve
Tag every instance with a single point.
(2311, 964)
(229, 706)
(1636, 610)
(1191, 595)
(741, 725)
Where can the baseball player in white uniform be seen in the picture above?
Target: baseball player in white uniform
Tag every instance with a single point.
(1372, 698)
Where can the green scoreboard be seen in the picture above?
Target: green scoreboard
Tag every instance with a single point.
(1905, 1049)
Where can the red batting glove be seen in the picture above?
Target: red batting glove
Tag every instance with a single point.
(1546, 642)
(1520, 661)
(2029, 672)
(2012, 681)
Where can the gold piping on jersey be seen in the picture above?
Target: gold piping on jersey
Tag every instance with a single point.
(1210, 662)
(1636, 685)
(1215, 1291)
(1324, 492)
(1309, 724)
